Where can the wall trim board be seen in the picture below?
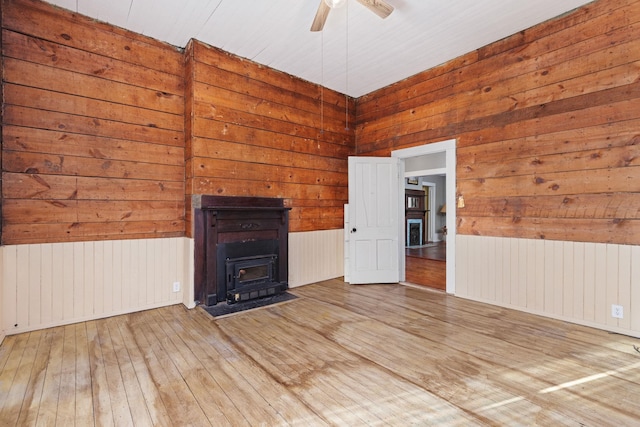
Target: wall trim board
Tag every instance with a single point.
(575, 282)
(52, 284)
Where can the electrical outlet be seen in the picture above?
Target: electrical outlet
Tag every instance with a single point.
(616, 311)
(176, 286)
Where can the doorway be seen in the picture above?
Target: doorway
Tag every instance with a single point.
(438, 159)
(425, 258)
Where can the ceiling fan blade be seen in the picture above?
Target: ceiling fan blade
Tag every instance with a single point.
(379, 7)
(321, 16)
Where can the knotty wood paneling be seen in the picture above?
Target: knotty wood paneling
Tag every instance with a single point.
(93, 130)
(1, 180)
(546, 123)
(253, 131)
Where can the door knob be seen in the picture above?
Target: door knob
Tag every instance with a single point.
(353, 230)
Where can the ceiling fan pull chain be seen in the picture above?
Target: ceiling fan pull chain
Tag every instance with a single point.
(322, 83)
(346, 74)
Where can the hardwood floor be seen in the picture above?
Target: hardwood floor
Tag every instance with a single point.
(427, 266)
(433, 251)
(337, 355)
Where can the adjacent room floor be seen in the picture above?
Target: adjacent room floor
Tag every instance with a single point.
(427, 265)
(339, 354)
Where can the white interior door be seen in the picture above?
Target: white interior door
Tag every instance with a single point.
(375, 219)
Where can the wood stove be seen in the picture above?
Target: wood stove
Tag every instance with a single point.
(241, 248)
(252, 277)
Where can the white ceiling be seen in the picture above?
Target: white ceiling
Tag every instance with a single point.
(418, 35)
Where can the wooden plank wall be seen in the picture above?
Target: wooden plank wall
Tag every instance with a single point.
(93, 159)
(1, 139)
(547, 127)
(93, 130)
(574, 281)
(253, 131)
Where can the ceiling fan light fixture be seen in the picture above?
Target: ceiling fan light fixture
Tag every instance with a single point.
(334, 4)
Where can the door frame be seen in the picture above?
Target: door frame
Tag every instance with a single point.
(449, 148)
(431, 229)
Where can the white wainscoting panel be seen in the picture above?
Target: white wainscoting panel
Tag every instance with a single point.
(2, 332)
(315, 256)
(52, 284)
(572, 281)
(188, 294)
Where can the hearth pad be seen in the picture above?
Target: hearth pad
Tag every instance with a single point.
(223, 309)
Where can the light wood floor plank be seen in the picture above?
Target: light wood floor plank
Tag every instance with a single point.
(208, 393)
(6, 348)
(235, 363)
(18, 389)
(65, 414)
(565, 366)
(177, 372)
(161, 372)
(317, 361)
(414, 358)
(84, 394)
(47, 411)
(122, 413)
(337, 355)
(13, 355)
(102, 412)
(143, 374)
(31, 403)
(237, 392)
(135, 399)
(480, 318)
(534, 373)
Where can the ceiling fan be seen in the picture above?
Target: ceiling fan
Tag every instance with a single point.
(379, 7)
